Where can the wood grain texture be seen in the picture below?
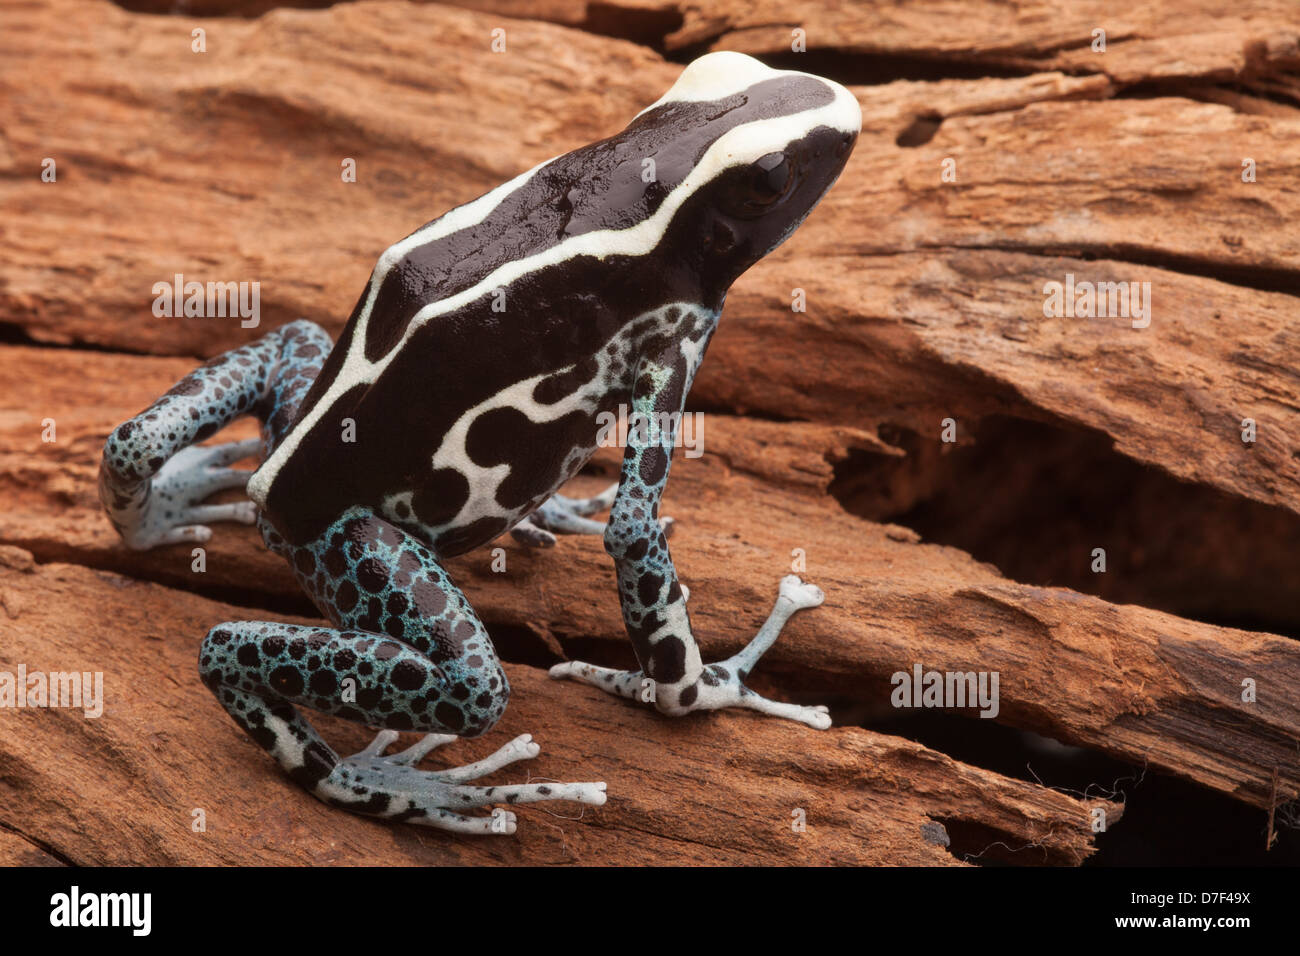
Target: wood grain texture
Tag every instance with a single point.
(924, 303)
(722, 788)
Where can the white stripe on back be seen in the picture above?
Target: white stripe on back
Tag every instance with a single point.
(739, 146)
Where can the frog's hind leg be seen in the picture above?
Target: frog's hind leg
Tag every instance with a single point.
(407, 653)
(153, 478)
(560, 514)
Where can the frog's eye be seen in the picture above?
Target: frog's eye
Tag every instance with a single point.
(764, 184)
(771, 177)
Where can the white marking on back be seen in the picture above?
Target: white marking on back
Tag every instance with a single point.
(484, 481)
(739, 146)
(715, 76)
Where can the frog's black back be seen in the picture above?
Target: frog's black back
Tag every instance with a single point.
(403, 377)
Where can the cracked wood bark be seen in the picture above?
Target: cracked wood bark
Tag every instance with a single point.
(16, 850)
(1145, 686)
(1254, 42)
(122, 788)
(925, 301)
(1161, 40)
(927, 295)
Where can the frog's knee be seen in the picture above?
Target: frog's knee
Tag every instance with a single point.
(130, 454)
(488, 706)
(212, 653)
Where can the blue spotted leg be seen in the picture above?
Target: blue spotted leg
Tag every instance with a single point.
(561, 514)
(152, 482)
(652, 599)
(407, 653)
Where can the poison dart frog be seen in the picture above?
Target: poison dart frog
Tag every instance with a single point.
(462, 394)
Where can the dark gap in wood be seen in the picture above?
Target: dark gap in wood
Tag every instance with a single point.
(245, 9)
(14, 333)
(1259, 278)
(517, 644)
(1207, 92)
(1035, 499)
(646, 27)
(46, 848)
(920, 131)
(856, 68)
(1160, 811)
(126, 564)
(738, 410)
(642, 26)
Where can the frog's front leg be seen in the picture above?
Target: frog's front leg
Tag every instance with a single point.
(407, 653)
(653, 601)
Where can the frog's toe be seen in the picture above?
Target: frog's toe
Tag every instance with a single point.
(563, 515)
(217, 479)
(501, 822)
(521, 748)
(531, 536)
(417, 751)
(182, 534)
(555, 516)
(799, 594)
(383, 740)
(196, 461)
(241, 512)
(627, 684)
(169, 520)
(229, 452)
(588, 506)
(392, 787)
(817, 716)
(194, 473)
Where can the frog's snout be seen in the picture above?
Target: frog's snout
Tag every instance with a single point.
(845, 111)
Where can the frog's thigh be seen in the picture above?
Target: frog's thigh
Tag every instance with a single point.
(369, 576)
(407, 653)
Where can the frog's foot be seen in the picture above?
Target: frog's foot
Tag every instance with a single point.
(435, 797)
(563, 515)
(173, 511)
(718, 685)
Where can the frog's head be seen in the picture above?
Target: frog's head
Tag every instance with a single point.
(752, 150)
